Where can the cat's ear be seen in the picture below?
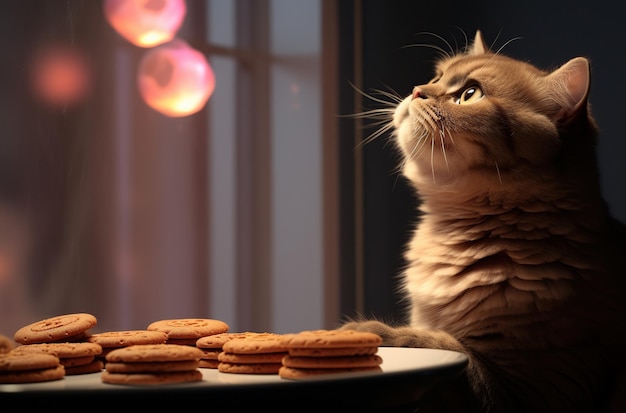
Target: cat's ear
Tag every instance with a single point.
(570, 87)
(479, 46)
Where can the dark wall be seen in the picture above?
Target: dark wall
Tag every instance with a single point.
(550, 33)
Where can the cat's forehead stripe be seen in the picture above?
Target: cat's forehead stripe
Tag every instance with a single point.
(456, 73)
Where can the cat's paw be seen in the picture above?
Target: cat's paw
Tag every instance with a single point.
(392, 336)
(405, 336)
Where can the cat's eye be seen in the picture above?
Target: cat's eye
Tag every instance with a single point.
(470, 95)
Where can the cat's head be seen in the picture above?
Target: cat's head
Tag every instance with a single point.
(487, 115)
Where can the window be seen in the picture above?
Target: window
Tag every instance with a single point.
(110, 208)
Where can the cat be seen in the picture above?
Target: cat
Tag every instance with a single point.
(515, 259)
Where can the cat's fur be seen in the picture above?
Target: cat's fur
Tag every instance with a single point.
(515, 261)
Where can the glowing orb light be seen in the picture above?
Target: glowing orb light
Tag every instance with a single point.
(175, 79)
(146, 23)
(60, 75)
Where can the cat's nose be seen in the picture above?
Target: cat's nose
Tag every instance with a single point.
(417, 93)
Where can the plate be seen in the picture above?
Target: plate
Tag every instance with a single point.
(408, 374)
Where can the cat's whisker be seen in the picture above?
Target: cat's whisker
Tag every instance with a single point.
(467, 42)
(506, 44)
(443, 52)
(383, 113)
(447, 43)
(450, 136)
(393, 96)
(375, 135)
(432, 157)
(443, 147)
(498, 171)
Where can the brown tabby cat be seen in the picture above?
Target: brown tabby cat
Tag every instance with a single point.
(516, 261)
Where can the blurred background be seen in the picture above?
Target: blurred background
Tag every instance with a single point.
(262, 207)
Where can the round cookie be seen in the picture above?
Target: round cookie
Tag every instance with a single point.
(152, 367)
(21, 361)
(261, 368)
(332, 362)
(62, 350)
(125, 338)
(332, 352)
(260, 358)
(331, 339)
(151, 378)
(216, 341)
(154, 352)
(32, 376)
(59, 328)
(185, 328)
(270, 343)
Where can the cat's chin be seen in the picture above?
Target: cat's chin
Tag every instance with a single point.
(425, 175)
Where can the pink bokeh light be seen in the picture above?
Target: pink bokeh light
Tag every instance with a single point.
(60, 75)
(175, 79)
(146, 23)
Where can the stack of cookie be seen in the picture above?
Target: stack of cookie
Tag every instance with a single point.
(319, 352)
(147, 364)
(29, 368)
(186, 331)
(76, 358)
(111, 340)
(212, 345)
(64, 337)
(256, 353)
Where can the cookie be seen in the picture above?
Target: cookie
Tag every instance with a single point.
(62, 350)
(29, 368)
(151, 378)
(125, 338)
(250, 358)
(152, 367)
(13, 361)
(154, 352)
(332, 352)
(346, 362)
(263, 368)
(67, 327)
(32, 376)
(332, 339)
(216, 341)
(189, 328)
(298, 373)
(266, 343)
